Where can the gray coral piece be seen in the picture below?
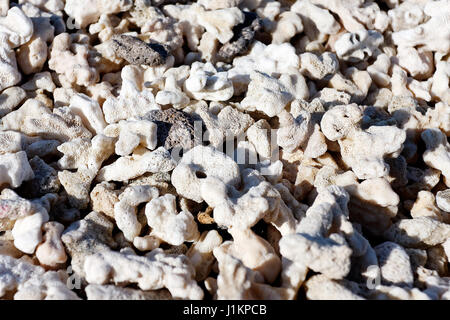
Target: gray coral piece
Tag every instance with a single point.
(138, 52)
(244, 34)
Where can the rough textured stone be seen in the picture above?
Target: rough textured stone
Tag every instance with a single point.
(175, 128)
(243, 37)
(136, 51)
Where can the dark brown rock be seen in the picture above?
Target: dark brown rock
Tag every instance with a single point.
(135, 51)
(244, 34)
(175, 128)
